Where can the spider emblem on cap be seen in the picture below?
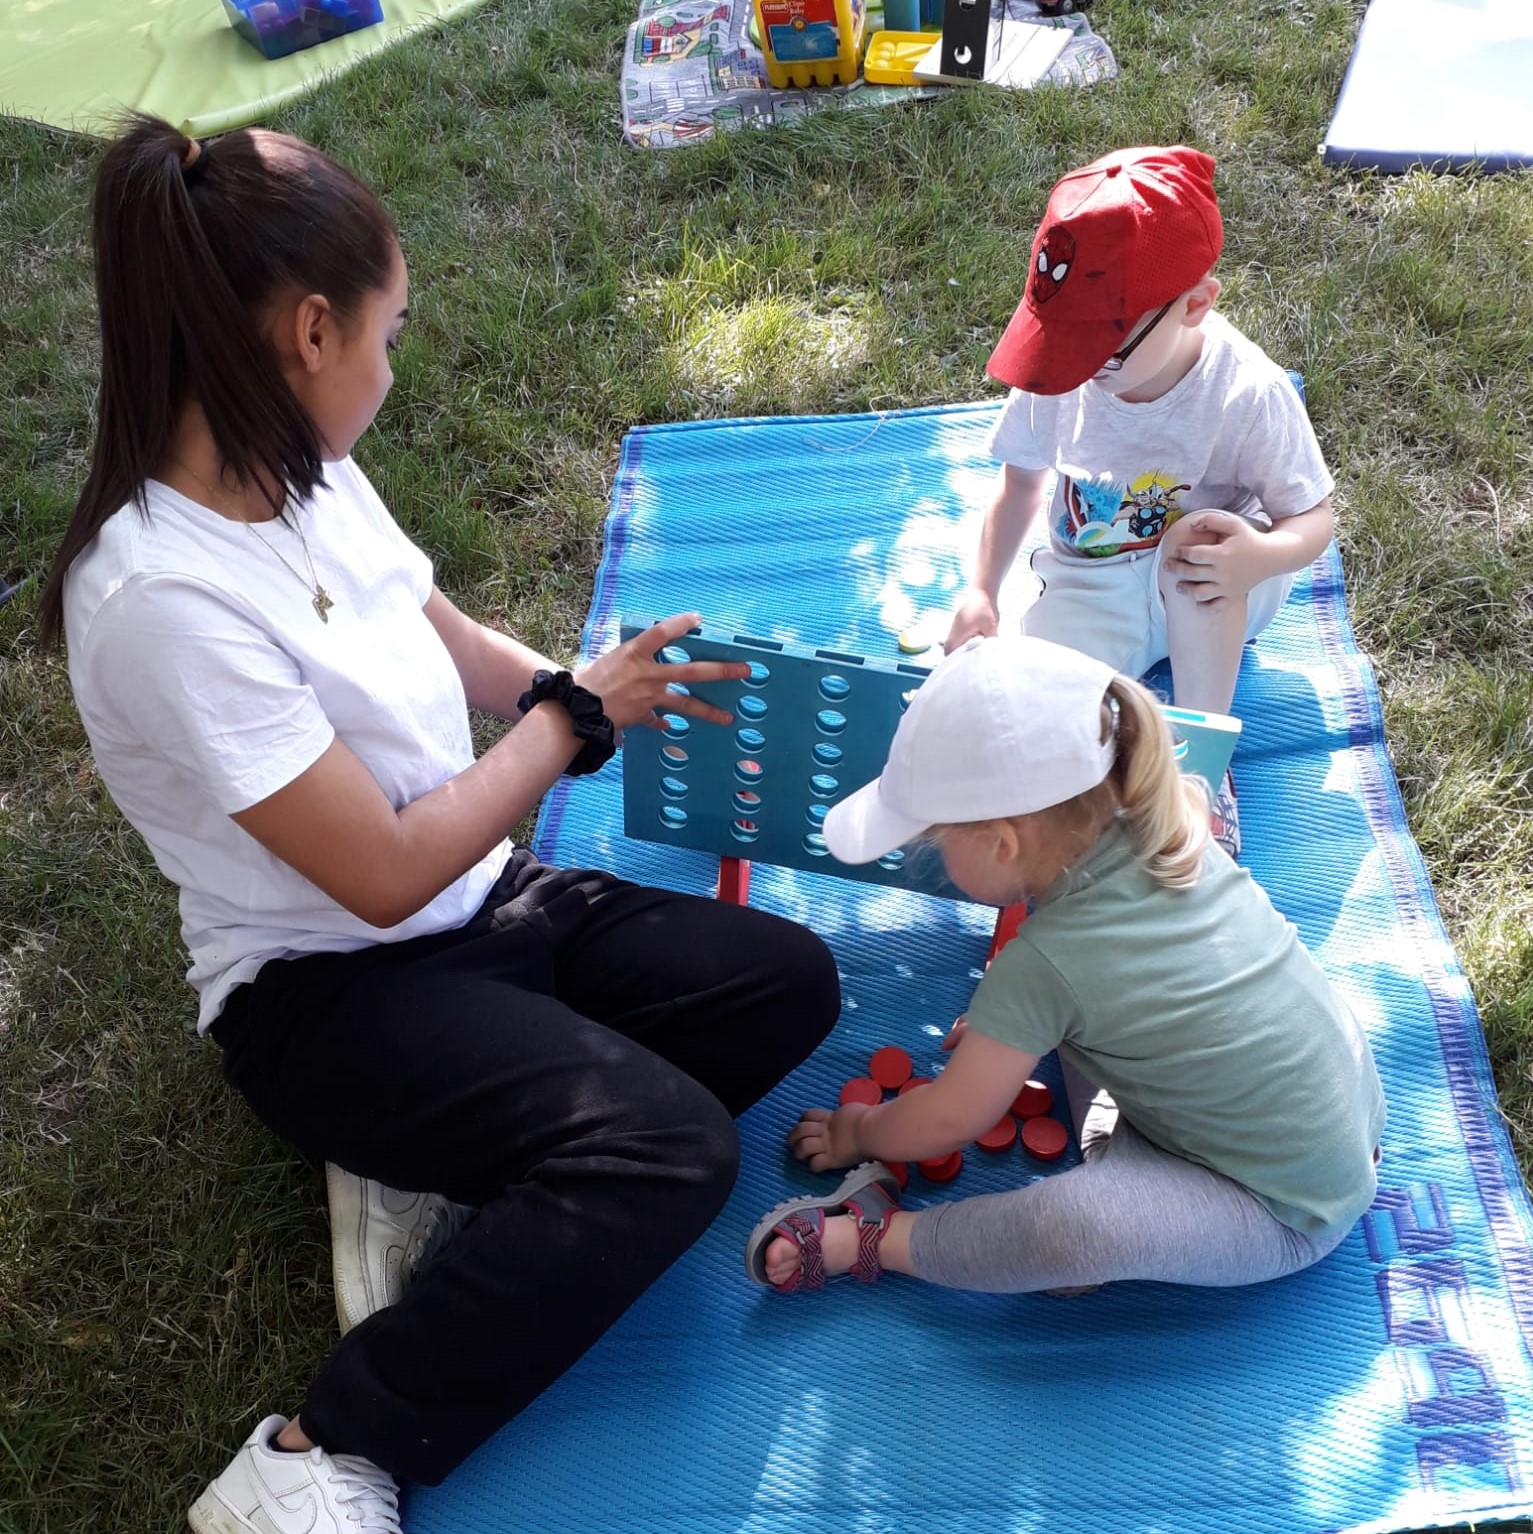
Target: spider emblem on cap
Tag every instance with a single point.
(1056, 254)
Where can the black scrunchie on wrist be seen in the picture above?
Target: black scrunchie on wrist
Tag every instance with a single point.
(592, 727)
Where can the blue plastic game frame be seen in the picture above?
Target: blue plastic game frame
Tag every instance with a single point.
(810, 726)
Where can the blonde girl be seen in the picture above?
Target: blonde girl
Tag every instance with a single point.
(1225, 1098)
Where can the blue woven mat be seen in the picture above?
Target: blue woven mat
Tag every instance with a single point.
(1386, 1389)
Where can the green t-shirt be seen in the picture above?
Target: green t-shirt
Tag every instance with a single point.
(1202, 1014)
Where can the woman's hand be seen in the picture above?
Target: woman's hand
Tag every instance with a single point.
(633, 685)
(827, 1139)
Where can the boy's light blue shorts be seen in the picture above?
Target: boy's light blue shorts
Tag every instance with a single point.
(1113, 609)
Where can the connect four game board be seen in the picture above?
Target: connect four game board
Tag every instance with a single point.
(810, 726)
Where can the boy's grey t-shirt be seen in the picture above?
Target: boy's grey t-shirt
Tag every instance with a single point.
(1202, 1013)
(1232, 434)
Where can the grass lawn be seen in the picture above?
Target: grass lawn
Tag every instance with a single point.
(163, 1260)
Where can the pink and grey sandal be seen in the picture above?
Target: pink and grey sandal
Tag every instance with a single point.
(868, 1192)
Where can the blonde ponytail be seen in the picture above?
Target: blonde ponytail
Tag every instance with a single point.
(1165, 813)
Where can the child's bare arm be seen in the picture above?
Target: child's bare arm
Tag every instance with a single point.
(970, 1096)
(1295, 542)
(1017, 500)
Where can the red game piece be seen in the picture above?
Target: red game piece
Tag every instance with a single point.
(1033, 1101)
(942, 1168)
(1007, 924)
(1045, 1138)
(1001, 1137)
(861, 1089)
(914, 1082)
(901, 1170)
(890, 1067)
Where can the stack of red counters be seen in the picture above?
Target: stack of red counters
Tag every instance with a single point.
(942, 1168)
(890, 1071)
(1042, 1136)
(1001, 1138)
(891, 1067)
(862, 1089)
(1045, 1138)
(1033, 1101)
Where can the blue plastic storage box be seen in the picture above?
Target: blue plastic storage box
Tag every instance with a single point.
(280, 27)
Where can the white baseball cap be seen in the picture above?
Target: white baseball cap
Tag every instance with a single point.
(1001, 727)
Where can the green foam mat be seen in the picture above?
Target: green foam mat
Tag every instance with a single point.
(79, 64)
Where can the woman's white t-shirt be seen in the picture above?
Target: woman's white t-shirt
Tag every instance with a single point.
(207, 681)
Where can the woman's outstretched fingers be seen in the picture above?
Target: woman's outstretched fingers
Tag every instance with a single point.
(634, 684)
(689, 672)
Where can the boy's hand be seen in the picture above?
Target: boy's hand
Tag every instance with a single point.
(977, 615)
(1214, 555)
(828, 1139)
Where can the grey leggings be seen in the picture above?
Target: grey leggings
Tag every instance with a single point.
(1129, 1211)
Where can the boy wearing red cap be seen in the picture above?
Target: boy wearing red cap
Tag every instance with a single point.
(1188, 487)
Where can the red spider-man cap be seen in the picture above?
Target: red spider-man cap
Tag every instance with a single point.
(1120, 237)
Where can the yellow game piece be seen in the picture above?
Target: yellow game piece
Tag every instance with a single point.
(891, 58)
(913, 642)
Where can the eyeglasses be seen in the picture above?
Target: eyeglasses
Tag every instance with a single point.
(1121, 356)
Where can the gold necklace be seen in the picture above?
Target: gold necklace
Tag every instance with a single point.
(322, 602)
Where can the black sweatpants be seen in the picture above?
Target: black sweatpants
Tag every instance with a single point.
(569, 1062)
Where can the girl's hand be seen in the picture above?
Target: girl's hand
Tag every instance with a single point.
(956, 1032)
(827, 1139)
(633, 685)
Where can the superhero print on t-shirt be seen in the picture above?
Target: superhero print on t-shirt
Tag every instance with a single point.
(1100, 517)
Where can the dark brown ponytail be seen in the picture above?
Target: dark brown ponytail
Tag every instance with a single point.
(193, 243)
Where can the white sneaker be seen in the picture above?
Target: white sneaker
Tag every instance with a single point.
(379, 1239)
(266, 1491)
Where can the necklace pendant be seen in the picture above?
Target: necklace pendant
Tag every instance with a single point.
(323, 604)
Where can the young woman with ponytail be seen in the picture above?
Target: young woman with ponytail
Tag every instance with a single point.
(1225, 1097)
(276, 696)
